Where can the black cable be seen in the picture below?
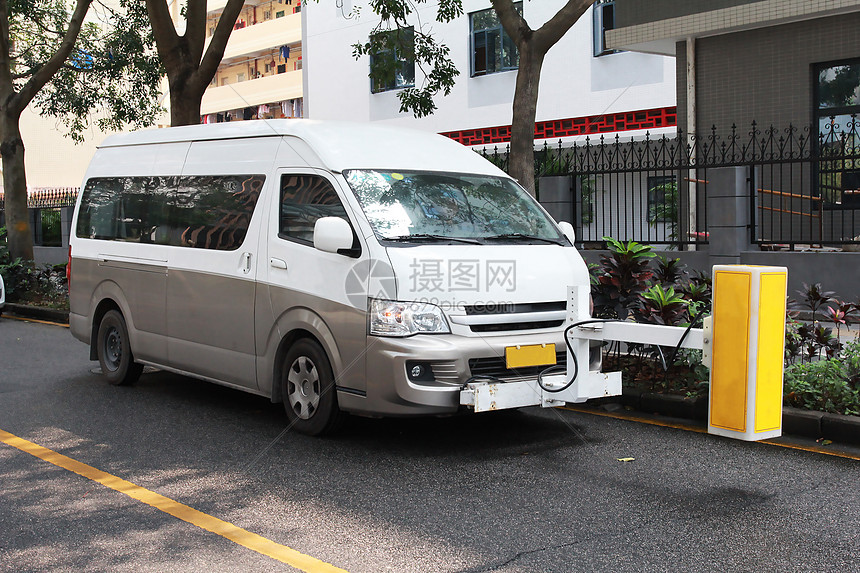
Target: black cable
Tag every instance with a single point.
(662, 358)
(699, 318)
(572, 354)
(551, 370)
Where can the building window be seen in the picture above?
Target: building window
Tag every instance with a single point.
(240, 77)
(662, 199)
(492, 49)
(279, 14)
(392, 65)
(837, 115)
(267, 14)
(603, 15)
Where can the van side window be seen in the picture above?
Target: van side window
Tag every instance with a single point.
(214, 212)
(208, 212)
(304, 199)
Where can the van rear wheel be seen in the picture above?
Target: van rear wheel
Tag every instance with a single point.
(114, 351)
(307, 386)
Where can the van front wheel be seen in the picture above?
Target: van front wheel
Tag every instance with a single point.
(114, 351)
(307, 386)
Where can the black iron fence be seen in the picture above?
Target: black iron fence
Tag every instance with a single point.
(803, 184)
(46, 205)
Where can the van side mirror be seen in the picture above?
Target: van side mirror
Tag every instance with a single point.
(568, 231)
(332, 234)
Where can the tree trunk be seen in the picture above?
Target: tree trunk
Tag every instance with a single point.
(522, 164)
(15, 188)
(184, 104)
(189, 69)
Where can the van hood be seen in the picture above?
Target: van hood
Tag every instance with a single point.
(455, 276)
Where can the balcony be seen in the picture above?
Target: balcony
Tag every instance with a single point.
(285, 31)
(269, 89)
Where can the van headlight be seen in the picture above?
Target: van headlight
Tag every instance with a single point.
(392, 318)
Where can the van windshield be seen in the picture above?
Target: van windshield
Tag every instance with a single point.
(420, 206)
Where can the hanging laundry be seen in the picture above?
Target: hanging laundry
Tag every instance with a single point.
(285, 52)
(262, 110)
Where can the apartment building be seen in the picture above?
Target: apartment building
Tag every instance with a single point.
(585, 90)
(776, 62)
(260, 76)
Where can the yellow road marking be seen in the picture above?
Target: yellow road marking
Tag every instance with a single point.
(642, 420)
(814, 449)
(700, 430)
(188, 514)
(23, 319)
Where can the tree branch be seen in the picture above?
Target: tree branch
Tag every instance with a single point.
(195, 29)
(6, 87)
(215, 51)
(552, 31)
(37, 81)
(163, 29)
(512, 21)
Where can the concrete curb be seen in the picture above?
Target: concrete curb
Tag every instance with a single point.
(806, 423)
(37, 312)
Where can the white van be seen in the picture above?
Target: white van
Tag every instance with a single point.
(333, 267)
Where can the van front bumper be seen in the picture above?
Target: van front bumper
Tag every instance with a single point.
(391, 391)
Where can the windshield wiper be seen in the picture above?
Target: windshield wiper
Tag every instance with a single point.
(521, 237)
(430, 237)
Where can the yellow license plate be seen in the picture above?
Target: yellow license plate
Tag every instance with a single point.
(531, 355)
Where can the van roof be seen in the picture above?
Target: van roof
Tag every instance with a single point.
(339, 145)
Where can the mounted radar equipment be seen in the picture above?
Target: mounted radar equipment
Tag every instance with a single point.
(742, 343)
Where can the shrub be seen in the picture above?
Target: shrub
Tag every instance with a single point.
(624, 275)
(28, 283)
(821, 385)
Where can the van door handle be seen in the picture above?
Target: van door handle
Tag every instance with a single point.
(278, 263)
(246, 263)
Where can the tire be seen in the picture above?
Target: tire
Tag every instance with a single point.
(308, 390)
(114, 351)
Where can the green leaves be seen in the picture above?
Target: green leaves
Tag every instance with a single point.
(631, 251)
(396, 49)
(822, 386)
(112, 78)
(663, 306)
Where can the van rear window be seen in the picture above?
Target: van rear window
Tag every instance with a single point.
(201, 211)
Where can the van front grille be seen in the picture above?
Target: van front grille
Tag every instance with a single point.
(445, 372)
(507, 317)
(495, 366)
(510, 308)
(506, 326)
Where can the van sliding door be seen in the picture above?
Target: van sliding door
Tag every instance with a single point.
(211, 283)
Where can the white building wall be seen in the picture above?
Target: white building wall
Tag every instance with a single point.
(573, 82)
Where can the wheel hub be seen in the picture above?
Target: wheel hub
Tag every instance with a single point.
(303, 387)
(113, 349)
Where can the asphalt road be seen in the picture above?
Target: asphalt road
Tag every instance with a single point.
(531, 490)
